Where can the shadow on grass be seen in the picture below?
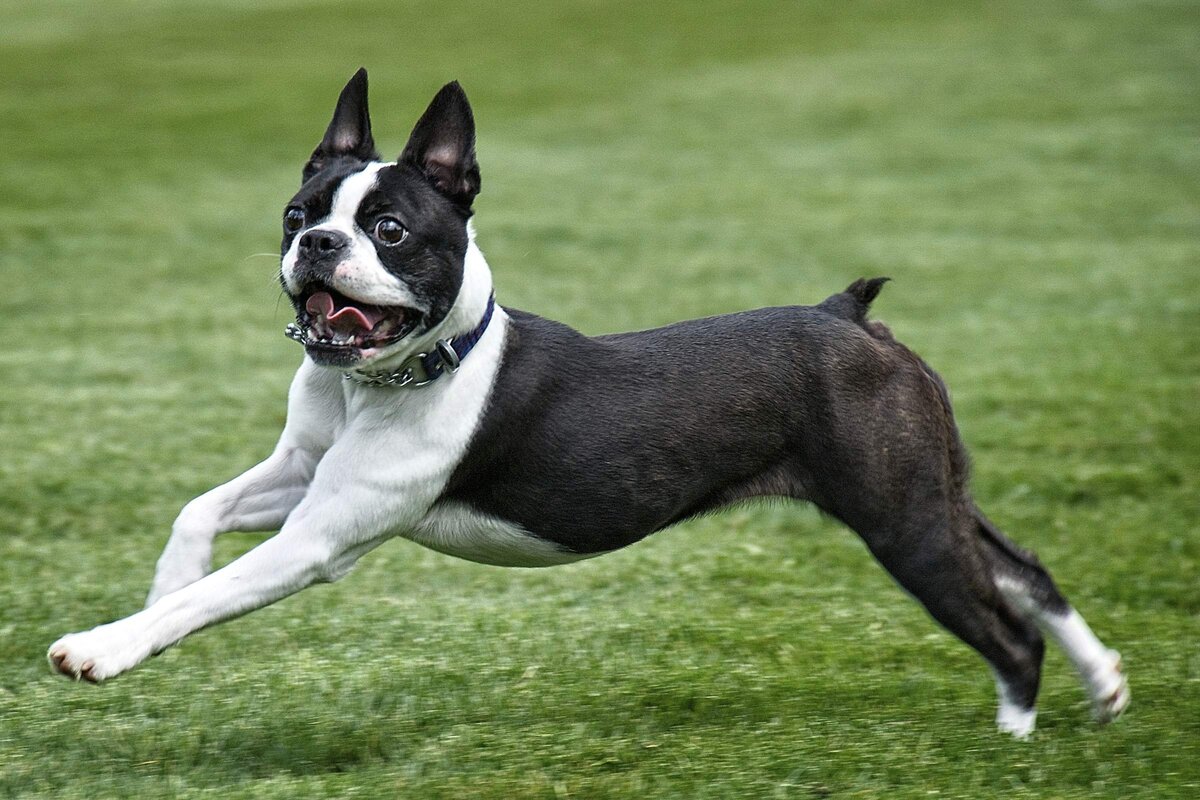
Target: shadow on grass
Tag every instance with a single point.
(438, 734)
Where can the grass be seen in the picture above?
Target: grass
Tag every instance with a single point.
(1027, 172)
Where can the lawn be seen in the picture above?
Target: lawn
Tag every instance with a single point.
(1028, 173)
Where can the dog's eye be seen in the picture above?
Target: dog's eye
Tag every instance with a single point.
(389, 231)
(293, 219)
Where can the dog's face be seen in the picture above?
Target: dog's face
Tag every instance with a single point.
(372, 252)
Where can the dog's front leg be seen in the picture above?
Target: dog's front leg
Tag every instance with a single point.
(259, 499)
(320, 541)
(262, 497)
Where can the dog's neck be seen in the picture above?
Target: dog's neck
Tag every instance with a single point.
(469, 309)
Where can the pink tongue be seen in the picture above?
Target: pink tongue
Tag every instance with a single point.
(345, 319)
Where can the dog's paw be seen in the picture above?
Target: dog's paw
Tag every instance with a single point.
(1109, 689)
(95, 655)
(1016, 721)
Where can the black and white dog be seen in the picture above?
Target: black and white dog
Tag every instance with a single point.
(424, 410)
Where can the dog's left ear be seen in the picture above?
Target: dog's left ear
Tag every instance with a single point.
(442, 146)
(349, 133)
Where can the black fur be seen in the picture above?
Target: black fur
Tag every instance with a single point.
(442, 147)
(348, 136)
(594, 443)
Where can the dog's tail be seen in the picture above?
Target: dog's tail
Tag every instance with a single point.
(852, 305)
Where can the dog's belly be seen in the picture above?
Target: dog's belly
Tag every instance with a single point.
(457, 529)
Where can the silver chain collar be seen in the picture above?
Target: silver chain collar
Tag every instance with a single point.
(413, 372)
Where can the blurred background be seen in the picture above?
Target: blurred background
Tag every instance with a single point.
(1026, 172)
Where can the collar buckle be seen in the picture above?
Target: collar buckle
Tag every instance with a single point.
(449, 356)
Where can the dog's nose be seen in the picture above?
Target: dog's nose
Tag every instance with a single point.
(322, 242)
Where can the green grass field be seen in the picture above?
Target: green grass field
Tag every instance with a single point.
(1027, 172)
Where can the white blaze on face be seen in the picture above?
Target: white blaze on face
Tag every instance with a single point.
(360, 275)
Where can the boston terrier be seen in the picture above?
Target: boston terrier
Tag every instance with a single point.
(426, 410)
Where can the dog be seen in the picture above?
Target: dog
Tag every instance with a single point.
(423, 409)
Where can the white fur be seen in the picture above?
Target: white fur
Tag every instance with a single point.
(355, 466)
(1099, 667)
(1011, 717)
(458, 530)
(359, 275)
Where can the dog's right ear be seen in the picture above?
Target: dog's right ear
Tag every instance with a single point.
(349, 133)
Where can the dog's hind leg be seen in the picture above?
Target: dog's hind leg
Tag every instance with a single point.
(950, 577)
(893, 468)
(1029, 587)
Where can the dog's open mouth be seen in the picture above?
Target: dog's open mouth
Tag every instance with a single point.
(329, 321)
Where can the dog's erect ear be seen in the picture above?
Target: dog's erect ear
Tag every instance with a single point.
(442, 146)
(349, 133)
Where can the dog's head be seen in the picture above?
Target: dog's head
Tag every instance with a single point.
(373, 252)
